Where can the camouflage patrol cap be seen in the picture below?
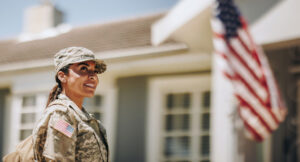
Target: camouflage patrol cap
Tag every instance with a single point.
(73, 55)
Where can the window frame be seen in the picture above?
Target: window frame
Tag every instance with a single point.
(158, 88)
(16, 114)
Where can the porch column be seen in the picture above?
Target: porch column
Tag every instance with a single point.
(224, 137)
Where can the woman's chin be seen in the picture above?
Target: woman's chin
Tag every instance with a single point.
(90, 94)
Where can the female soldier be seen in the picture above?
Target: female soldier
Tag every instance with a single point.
(66, 132)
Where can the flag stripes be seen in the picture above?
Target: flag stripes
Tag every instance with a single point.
(64, 127)
(260, 105)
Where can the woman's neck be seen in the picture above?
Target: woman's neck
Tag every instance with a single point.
(77, 100)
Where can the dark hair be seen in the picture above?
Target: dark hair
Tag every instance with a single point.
(57, 89)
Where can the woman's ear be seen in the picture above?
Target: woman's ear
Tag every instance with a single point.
(62, 77)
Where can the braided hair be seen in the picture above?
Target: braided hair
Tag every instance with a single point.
(57, 89)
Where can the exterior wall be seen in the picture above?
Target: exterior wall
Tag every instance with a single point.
(130, 139)
(3, 108)
(285, 62)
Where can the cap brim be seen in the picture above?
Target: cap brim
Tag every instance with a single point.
(100, 65)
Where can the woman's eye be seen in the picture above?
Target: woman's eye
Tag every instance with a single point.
(83, 68)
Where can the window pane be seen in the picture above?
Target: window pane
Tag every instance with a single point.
(205, 121)
(177, 122)
(27, 118)
(177, 146)
(28, 101)
(205, 145)
(206, 99)
(186, 100)
(179, 100)
(170, 101)
(25, 133)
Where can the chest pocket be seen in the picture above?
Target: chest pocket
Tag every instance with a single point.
(87, 146)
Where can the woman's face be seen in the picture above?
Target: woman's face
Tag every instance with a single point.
(81, 81)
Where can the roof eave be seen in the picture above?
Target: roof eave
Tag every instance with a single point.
(106, 56)
(183, 12)
(280, 24)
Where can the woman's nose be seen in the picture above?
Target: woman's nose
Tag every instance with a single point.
(92, 74)
(93, 77)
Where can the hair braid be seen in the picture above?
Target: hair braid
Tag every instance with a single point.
(57, 89)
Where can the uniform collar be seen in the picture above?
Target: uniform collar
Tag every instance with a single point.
(83, 114)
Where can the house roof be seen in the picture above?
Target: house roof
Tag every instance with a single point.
(117, 35)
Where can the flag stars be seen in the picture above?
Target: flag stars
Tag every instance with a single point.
(230, 16)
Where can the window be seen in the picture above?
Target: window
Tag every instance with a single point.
(32, 106)
(28, 115)
(205, 126)
(177, 133)
(177, 101)
(95, 106)
(28, 101)
(180, 116)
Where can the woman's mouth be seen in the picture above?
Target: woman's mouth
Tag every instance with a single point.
(90, 85)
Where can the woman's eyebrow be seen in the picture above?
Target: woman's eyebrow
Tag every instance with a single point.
(83, 63)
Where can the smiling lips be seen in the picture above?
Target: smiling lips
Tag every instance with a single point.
(90, 85)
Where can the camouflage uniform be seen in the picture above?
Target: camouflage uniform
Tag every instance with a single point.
(86, 142)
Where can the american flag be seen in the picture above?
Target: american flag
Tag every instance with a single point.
(260, 105)
(64, 127)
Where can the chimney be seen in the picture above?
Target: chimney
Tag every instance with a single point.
(41, 17)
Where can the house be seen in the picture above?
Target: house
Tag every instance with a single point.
(159, 95)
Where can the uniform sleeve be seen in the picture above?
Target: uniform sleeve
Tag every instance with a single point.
(60, 139)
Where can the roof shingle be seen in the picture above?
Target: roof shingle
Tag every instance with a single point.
(100, 37)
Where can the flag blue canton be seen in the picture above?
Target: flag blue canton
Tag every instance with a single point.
(229, 15)
(70, 129)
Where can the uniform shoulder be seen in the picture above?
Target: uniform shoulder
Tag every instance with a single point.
(56, 108)
(60, 108)
(54, 111)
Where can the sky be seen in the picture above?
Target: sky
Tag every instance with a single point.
(78, 12)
